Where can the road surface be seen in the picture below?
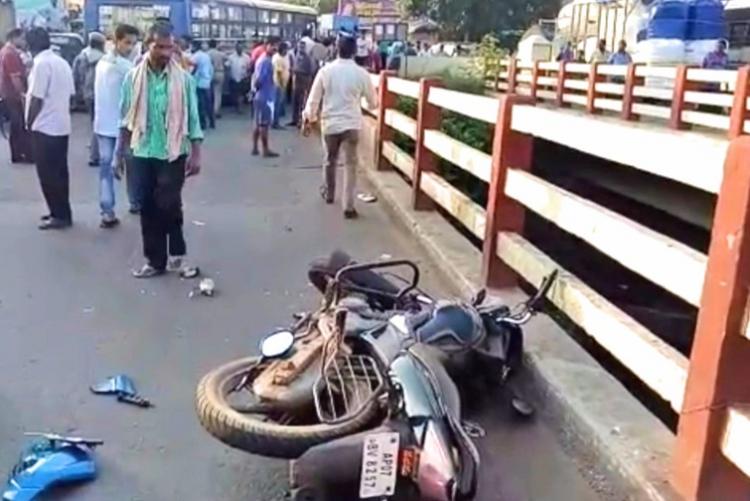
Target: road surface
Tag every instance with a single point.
(70, 315)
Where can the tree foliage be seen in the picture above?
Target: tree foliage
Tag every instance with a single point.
(471, 19)
(324, 6)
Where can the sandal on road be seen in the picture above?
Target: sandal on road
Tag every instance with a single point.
(147, 271)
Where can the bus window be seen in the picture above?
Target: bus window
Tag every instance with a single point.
(201, 11)
(234, 13)
(263, 16)
(142, 17)
(251, 15)
(275, 31)
(275, 17)
(288, 18)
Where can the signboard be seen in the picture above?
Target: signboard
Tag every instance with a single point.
(370, 10)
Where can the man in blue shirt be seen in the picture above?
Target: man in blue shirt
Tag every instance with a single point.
(621, 57)
(265, 99)
(204, 74)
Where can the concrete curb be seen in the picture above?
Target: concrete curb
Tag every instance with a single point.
(607, 432)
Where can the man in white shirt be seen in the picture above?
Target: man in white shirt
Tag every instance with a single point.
(335, 99)
(110, 73)
(48, 117)
(239, 73)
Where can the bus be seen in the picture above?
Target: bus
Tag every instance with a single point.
(225, 20)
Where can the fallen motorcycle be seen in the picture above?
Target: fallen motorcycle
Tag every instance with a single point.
(359, 392)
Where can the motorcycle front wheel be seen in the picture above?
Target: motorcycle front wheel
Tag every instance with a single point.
(259, 433)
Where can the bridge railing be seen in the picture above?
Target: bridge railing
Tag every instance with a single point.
(682, 96)
(710, 391)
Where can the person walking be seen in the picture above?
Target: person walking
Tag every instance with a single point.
(601, 54)
(84, 68)
(335, 99)
(110, 73)
(265, 100)
(281, 74)
(219, 62)
(48, 117)
(239, 74)
(303, 71)
(12, 90)
(159, 120)
(204, 75)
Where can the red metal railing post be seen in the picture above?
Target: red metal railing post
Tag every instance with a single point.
(509, 149)
(719, 362)
(429, 116)
(561, 76)
(512, 74)
(534, 79)
(681, 84)
(632, 80)
(591, 95)
(739, 105)
(387, 100)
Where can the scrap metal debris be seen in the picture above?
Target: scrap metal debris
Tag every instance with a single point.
(122, 386)
(367, 198)
(50, 460)
(206, 287)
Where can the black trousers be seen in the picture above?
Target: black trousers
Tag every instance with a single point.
(301, 88)
(20, 138)
(51, 156)
(160, 188)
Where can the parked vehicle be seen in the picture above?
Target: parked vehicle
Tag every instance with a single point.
(360, 392)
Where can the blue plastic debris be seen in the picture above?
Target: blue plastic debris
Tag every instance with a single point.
(50, 460)
(122, 386)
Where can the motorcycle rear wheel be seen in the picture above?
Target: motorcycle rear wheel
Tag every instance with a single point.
(250, 432)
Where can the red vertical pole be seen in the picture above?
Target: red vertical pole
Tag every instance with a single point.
(534, 79)
(429, 117)
(678, 98)
(591, 95)
(509, 149)
(387, 100)
(719, 369)
(561, 76)
(739, 105)
(632, 80)
(512, 73)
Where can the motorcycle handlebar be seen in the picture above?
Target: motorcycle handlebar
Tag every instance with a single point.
(528, 308)
(347, 270)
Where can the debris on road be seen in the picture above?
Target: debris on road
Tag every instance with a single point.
(385, 257)
(188, 272)
(50, 460)
(88, 309)
(122, 386)
(367, 198)
(206, 287)
(198, 223)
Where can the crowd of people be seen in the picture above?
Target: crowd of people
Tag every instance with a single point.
(150, 102)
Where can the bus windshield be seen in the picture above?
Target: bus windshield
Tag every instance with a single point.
(139, 16)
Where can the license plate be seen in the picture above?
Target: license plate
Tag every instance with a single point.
(379, 465)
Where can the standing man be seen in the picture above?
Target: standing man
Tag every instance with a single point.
(160, 122)
(12, 91)
(304, 69)
(336, 98)
(204, 75)
(265, 99)
(601, 54)
(219, 62)
(48, 117)
(718, 58)
(566, 53)
(239, 74)
(110, 73)
(621, 57)
(84, 68)
(281, 73)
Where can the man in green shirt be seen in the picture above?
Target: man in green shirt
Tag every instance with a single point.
(160, 122)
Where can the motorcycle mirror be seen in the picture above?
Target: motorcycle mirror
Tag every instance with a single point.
(479, 297)
(277, 344)
(544, 288)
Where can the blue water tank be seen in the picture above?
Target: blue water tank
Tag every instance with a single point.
(669, 20)
(706, 20)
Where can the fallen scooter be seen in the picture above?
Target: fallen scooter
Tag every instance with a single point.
(351, 367)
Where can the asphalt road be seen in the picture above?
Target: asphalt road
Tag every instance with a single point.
(70, 314)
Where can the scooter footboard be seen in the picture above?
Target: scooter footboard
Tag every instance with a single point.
(334, 470)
